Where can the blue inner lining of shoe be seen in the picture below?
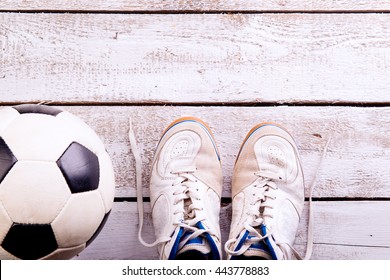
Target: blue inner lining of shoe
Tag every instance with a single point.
(259, 246)
(239, 245)
(175, 246)
(267, 241)
(198, 240)
(213, 246)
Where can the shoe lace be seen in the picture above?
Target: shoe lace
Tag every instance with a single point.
(187, 198)
(261, 207)
(185, 189)
(266, 183)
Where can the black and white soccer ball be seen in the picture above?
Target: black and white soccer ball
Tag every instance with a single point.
(56, 183)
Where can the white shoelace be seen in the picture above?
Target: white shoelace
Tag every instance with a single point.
(187, 193)
(264, 200)
(185, 190)
(309, 244)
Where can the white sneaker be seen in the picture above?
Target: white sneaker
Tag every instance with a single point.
(185, 192)
(267, 194)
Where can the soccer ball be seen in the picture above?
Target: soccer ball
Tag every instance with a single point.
(56, 183)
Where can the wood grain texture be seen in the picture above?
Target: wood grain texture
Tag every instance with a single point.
(356, 165)
(203, 5)
(201, 58)
(342, 230)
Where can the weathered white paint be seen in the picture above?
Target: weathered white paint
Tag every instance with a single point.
(201, 5)
(124, 59)
(356, 165)
(184, 58)
(342, 230)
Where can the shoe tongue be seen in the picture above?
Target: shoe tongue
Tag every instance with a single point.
(262, 249)
(259, 249)
(199, 247)
(198, 244)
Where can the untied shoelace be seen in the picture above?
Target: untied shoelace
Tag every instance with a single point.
(196, 231)
(267, 185)
(182, 191)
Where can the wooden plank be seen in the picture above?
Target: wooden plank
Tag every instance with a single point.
(201, 58)
(342, 230)
(356, 165)
(204, 5)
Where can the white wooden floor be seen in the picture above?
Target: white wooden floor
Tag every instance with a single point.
(319, 68)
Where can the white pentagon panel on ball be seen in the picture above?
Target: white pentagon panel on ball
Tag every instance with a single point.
(5, 222)
(4, 255)
(107, 180)
(34, 192)
(7, 116)
(79, 219)
(37, 137)
(65, 253)
(81, 132)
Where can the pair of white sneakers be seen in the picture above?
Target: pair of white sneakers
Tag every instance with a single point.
(186, 186)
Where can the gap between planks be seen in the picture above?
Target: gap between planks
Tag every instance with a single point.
(228, 200)
(293, 103)
(203, 6)
(194, 12)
